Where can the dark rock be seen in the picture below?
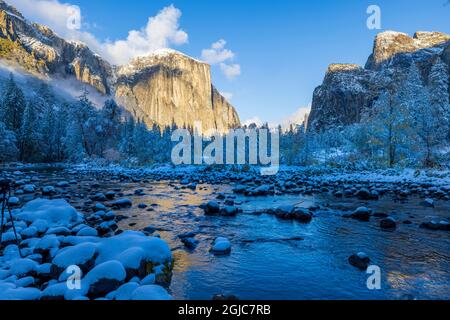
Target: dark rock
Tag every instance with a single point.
(303, 215)
(388, 223)
(122, 203)
(190, 243)
(284, 212)
(429, 203)
(212, 208)
(359, 260)
(221, 297)
(361, 214)
(436, 226)
(364, 194)
(229, 211)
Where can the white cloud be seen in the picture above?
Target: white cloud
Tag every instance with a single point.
(161, 31)
(58, 16)
(218, 54)
(227, 95)
(254, 120)
(230, 71)
(297, 118)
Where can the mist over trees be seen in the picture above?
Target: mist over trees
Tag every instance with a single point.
(408, 126)
(44, 128)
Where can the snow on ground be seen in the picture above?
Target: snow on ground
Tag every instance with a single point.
(430, 176)
(58, 238)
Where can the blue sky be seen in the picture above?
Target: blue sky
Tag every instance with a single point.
(283, 47)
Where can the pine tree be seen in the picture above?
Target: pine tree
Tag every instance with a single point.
(127, 146)
(83, 116)
(13, 105)
(8, 148)
(29, 139)
(47, 132)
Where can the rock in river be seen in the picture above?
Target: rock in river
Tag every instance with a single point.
(221, 246)
(360, 260)
(388, 223)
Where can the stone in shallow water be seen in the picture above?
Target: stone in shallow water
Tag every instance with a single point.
(429, 203)
(360, 260)
(211, 208)
(285, 212)
(110, 195)
(99, 197)
(302, 215)
(49, 190)
(62, 184)
(363, 194)
(221, 246)
(388, 223)
(190, 243)
(361, 214)
(29, 188)
(99, 207)
(122, 203)
(229, 211)
(436, 226)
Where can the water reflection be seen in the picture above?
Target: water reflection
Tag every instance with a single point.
(274, 259)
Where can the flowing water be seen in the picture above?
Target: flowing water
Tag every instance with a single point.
(274, 259)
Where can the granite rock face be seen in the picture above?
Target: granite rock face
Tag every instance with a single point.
(169, 88)
(349, 90)
(165, 88)
(38, 50)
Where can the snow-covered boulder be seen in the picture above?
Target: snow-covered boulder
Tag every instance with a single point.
(87, 232)
(150, 292)
(59, 231)
(29, 188)
(22, 267)
(10, 238)
(29, 232)
(55, 212)
(155, 250)
(14, 201)
(12, 293)
(82, 255)
(55, 291)
(62, 184)
(48, 190)
(124, 292)
(105, 278)
(41, 225)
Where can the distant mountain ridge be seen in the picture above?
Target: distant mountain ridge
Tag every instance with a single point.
(349, 90)
(166, 88)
